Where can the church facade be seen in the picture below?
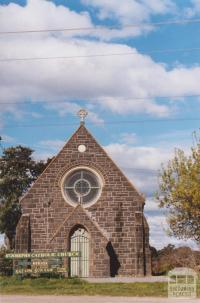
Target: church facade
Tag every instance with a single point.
(83, 202)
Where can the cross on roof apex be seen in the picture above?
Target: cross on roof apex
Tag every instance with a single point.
(82, 113)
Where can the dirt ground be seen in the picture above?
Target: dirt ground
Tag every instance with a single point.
(86, 299)
(147, 279)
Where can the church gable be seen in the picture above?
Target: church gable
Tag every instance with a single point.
(72, 156)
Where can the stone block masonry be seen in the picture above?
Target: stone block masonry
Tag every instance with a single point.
(118, 231)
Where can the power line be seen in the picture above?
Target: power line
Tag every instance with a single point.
(103, 98)
(135, 170)
(101, 55)
(36, 147)
(100, 28)
(105, 122)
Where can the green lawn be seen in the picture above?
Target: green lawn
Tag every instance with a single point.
(44, 286)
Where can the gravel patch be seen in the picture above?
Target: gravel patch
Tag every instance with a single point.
(86, 299)
(149, 279)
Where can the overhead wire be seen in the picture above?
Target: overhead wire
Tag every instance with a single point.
(97, 28)
(36, 147)
(134, 52)
(135, 98)
(184, 21)
(104, 122)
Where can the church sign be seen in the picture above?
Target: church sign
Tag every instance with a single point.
(42, 255)
(41, 262)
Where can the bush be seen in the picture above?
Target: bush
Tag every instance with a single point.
(170, 257)
(6, 265)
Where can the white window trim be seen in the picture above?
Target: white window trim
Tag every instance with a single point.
(67, 198)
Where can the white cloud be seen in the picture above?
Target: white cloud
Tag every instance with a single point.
(36, 115)
(43, 155)
(138, 157)
(47, 149)
(109, 83)
(7, 139)
(52, 144)
(140, 164)
(64, 108)
(40, 14)
(126, 105)
(158, 235)
(168, 140)
(128, 138)
(106, 34)
(34, 16)
(129, 11)
(151, 205)
(91, 79)
(193, 10)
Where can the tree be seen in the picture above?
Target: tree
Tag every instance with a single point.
(179, 192)
(18, 170)
(170, 257)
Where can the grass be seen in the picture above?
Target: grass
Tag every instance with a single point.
(45, 286)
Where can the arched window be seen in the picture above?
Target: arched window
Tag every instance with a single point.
(79, 241)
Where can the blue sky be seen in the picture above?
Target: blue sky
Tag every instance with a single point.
(130, 98)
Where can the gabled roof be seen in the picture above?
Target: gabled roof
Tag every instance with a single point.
(80, 128)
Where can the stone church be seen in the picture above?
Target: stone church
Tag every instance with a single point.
(83, 202)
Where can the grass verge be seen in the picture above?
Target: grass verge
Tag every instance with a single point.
(45, 286)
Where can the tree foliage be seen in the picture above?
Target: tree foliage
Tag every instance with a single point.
(170, 257)
(6, 265)
(18, 170)
(179, 192)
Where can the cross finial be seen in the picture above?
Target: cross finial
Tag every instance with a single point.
(82, 113)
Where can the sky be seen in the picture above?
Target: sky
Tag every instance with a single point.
(129, 63)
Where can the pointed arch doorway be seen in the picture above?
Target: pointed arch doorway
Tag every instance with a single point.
(79, 241)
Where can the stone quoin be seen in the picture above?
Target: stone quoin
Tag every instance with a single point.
(83, 202)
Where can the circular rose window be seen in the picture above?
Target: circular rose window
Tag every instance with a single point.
(82, 186)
